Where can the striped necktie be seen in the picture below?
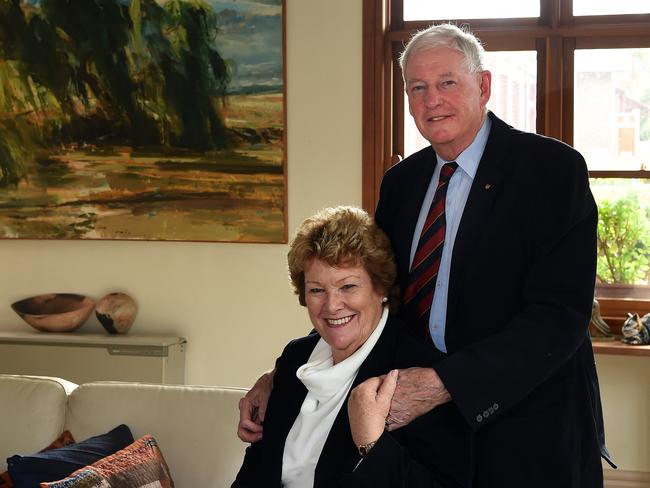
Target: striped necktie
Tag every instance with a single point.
(421, 281)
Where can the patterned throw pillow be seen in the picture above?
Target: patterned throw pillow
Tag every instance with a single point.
(139, 465)
(64, 439)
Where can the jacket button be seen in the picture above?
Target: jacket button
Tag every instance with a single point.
(495, 406)
(479, 418)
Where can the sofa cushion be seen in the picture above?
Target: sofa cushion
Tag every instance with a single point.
(33, 413)
(139, 465)
(29, 471)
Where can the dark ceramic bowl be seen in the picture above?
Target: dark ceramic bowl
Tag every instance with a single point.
(55, 312)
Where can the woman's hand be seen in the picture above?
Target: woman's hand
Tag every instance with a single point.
(252, 408)
(368, 407)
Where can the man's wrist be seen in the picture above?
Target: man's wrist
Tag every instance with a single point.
(440, 393)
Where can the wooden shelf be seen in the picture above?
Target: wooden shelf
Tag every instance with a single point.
(618, 348)
(614, 310)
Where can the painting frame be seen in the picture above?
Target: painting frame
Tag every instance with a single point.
(112, 189)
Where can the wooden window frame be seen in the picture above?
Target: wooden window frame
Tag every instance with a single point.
(555, 35)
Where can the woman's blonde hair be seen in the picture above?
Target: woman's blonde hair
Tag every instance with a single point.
(344, 236)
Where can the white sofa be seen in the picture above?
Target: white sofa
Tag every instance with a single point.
(195, 426)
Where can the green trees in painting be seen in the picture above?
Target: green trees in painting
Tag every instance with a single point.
(137, 72)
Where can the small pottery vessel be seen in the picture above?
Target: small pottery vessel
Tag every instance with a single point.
(55, 312)
(116, 312)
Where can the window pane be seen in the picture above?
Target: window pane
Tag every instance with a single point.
(469, 9)
(514, 87)
(514, 94)
(623, 230)
(608, 7)
(612, 108)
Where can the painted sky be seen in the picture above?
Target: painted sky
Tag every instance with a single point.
(251, 38)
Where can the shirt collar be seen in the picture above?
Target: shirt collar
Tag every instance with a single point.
(468, 160)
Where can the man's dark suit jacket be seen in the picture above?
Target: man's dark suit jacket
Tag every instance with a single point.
(410, 457)
(520, 365)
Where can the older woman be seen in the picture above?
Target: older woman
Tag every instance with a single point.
(341, 267)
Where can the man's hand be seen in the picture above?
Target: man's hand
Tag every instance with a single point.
(368, 407)
(252, 408)
(419, 391)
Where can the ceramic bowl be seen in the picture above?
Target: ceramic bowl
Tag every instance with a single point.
(116, 312)
(55, 312)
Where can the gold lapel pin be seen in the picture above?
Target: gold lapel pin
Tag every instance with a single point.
(488, 186)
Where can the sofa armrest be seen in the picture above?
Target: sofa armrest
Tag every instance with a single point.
(32, 413)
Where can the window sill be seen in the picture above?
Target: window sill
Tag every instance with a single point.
(618, 348)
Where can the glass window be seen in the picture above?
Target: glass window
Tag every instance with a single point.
(612, 108)
(469, 9)
(513, 98)
(514, 87)
(413, 141)
(608, 7)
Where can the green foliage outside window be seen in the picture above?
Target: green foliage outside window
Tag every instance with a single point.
(623, 241)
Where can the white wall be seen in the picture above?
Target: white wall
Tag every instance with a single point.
(625, 394)
(232, 301)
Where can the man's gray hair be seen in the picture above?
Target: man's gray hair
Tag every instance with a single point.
(462, 40)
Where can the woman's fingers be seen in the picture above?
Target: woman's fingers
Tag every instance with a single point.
(387, 387)
(370, 386)
(418, 392)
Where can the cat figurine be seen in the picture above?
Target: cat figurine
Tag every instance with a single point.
(636, 331)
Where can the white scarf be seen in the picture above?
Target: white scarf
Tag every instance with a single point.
(327, 387)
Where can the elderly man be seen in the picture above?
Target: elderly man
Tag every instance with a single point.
(494, 233)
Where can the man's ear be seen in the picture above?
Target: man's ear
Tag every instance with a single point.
(485, 86)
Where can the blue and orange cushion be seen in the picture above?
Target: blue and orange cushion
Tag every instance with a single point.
(55, 464)
(139, 465)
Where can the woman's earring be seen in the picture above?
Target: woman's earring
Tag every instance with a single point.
(384, 300)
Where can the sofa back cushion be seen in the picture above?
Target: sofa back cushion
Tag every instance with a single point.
(32, 413)
(194, 426)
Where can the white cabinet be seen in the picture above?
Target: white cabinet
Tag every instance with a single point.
(82, 358)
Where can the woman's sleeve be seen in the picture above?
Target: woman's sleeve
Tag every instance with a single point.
(389, 464)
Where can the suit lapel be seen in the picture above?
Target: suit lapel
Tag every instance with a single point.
(482, 195)
(414, 193)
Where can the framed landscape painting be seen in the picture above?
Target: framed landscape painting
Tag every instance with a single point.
(143, 120)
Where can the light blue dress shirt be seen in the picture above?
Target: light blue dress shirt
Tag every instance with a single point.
(457, 193)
